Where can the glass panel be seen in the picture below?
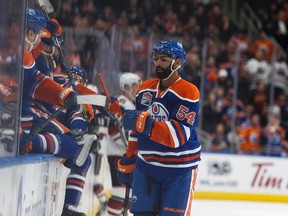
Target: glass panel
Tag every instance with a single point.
(11, 28)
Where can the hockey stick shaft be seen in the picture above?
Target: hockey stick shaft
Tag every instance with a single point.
(98, 100)
(40, 127)
(126, 200)
(106, 92)
(118, 123)
(48, 8)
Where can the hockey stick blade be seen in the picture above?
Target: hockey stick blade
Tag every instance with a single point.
(85, 149)
(98, 100)
(46, 5)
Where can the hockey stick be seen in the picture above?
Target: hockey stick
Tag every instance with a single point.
(98, 100)
(48, 8)
(126, 200)
(46, 5)
(39, 128)
(118, 123)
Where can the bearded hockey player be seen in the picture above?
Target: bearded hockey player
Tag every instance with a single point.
(160, 163)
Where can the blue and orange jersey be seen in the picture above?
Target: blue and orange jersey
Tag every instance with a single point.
(38, 86)
(172, 147)
(251, 139)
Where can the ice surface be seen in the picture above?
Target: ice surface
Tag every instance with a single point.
(238, 208)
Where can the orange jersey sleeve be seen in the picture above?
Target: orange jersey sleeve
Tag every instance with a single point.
(83, 90)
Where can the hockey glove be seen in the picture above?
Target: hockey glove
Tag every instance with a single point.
(125, 171)
(67, 95)
(99, 124)
(25, 143)
(138, 121)
(53, 29)
(115, 108)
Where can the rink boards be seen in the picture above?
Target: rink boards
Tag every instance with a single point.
(239, 177)
(35, 185)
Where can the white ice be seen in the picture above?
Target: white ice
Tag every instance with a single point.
(238, 208)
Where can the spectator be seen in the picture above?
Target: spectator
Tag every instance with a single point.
(264, 45)
(223, 81)
(227, 29)
(211, 114)
(250, 142)
(274, 135)
(258, 68)
(219, 142)
(280, 29)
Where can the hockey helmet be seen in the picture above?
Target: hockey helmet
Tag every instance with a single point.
(129, 79)
(79, 72)
(35, 20)
(172, 48)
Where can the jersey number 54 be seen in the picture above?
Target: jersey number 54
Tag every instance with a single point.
(183, 114)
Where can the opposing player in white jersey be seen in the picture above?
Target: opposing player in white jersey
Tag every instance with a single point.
(112, 144)
(129, 84)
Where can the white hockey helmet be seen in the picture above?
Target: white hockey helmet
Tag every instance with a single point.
(129, 79)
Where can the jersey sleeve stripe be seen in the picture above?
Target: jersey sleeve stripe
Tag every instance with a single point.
(187, 132)
(161, 134)
(132, 148)
(133, 137)
(50, 143)
(179, 129)
(56, 143)
(173, 134)
(29, 66)
(26, 124)
(43, 142)
(39, 76)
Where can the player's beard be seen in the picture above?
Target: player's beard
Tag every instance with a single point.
(163, 73)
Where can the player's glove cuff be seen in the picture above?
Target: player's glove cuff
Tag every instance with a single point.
(125, 172)
(144, 123)
(67, 95)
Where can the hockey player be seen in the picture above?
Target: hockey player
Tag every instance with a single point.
(163, 150)
(55, 138)
(112, 146)
(129, 84)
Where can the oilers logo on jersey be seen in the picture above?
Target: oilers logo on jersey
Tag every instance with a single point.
(158, 112)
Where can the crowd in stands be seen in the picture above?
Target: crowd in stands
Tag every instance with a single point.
(274, 17)
(252, 122)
